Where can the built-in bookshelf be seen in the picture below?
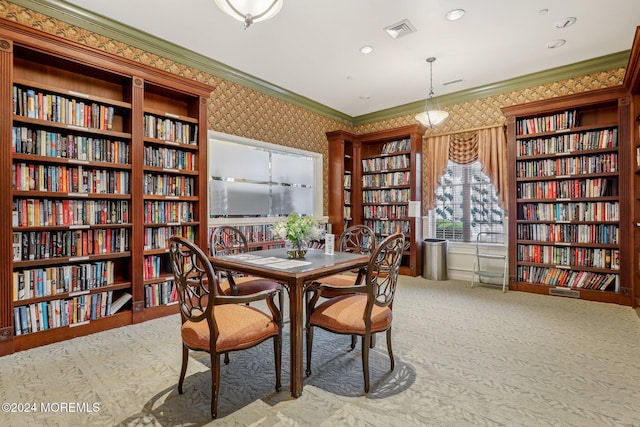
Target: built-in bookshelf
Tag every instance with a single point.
(170, 186)
(632, 83)
(569, 199)
(70, 189)
(344, 181)
(385, 185)
(101, 159)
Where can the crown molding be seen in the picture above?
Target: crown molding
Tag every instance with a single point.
(99, 24)
(603, 63)
(107, 27)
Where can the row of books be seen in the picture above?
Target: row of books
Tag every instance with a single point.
(590, 187)
(32, 103)
(396, 146)
(69, 179)
(154, 266)
(601, 163)
(54, 144)
(568, 143)
(69, 212)
(75, 311)
(169, 158)
(393, 195)
(564, 120)
(570, 233)
(347, 197)
(385, 212)
(159, 212)
(388, 227)
(168, 185)
(570, 256)
(379, 164)
(158, 237)
(170, 130)
(157, 294)
(41, 282)
(386, 179)
(32, 245)
(255, 232)
(567, 278)
(571, 211)
(347, 211)
(347, 180)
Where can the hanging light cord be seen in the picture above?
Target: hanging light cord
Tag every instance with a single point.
(430, 61)
(248, 18)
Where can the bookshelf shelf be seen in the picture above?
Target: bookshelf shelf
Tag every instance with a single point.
(570, 198)
(372, 179)
(78, 165)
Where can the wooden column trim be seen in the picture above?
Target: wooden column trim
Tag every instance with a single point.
(6, 231)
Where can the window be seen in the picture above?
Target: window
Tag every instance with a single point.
(466, 204)
(249, 178)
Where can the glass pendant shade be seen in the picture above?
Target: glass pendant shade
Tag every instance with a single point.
(432, 118)
(250, 11)
(432, 114)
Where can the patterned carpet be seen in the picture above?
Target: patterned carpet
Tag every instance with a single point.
(464, 357)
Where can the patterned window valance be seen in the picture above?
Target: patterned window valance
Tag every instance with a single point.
(487, 145)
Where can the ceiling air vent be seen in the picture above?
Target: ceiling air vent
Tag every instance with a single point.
(400, 29)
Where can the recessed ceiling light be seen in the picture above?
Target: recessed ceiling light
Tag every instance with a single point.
(555, 44)
(366, 49)
(565, 22)
(455, 14)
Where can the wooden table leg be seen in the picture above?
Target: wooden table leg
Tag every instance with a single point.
(296, 316)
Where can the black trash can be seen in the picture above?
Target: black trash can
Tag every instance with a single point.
(434, 259)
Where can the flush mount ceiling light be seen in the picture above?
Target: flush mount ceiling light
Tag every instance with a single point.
(455, 14)
(250, 11)
(432, 114)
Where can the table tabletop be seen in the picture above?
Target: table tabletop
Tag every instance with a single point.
(294, 275)
(275, 264)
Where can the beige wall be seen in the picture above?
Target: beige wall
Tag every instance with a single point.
(236, 110)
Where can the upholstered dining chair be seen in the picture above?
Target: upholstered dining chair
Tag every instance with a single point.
(229, 240)
(359, 239)
(218, 323)
(361, 309)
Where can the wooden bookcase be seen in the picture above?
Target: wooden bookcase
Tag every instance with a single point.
(170, 186)
(632, 83)
(569, 202)
(373, 179)
(345, 170)
(77, 164)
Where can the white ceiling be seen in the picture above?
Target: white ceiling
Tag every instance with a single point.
(312, 47)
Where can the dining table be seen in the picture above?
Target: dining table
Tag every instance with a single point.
(295, 275)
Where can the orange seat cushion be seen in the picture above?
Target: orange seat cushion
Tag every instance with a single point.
(338, 280)
(345, 315)
(239, 326)
(341, 280)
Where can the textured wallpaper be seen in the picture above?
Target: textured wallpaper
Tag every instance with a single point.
(237, 110)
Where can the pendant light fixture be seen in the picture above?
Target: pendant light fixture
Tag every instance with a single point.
(250, 11)
(432, 114)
